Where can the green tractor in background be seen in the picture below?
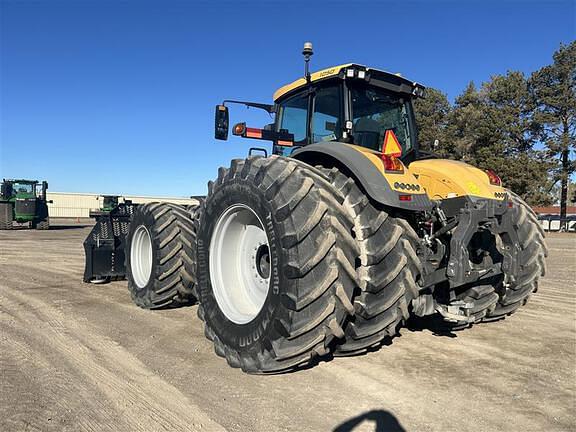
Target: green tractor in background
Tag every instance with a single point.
(24, 202)
(109, 202)
(106, 203)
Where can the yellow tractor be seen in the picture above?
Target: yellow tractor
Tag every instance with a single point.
(348, 228)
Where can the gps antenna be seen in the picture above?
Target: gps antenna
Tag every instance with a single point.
(307, 53)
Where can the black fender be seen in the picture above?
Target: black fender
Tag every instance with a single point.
(354, 164)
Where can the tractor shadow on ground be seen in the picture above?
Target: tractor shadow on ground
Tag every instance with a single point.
(383, 421)
(433, 323)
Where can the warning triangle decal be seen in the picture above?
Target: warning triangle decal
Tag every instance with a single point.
(391, 145)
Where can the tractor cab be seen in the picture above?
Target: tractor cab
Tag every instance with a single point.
(350, 104)
(22, 190)
(109, 202)
(19, 189)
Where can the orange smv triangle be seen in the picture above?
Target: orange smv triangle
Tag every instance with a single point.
(391, 145)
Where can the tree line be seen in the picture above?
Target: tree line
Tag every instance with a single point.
(522, 127)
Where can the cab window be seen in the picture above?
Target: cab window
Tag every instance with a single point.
(376, 111)
(326, 115)
(23, 188)
(293, 117)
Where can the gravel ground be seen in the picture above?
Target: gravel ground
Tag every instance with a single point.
(82, 357)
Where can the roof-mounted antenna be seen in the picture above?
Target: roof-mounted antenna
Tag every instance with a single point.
(307, 53)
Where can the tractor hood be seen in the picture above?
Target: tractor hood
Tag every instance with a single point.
(443, 178)
(25, 207)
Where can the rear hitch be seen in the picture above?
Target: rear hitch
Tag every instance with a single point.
(491, 216)
(457, 311)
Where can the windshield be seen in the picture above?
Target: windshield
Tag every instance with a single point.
(23, 188)
(376, 111)
(110, 201)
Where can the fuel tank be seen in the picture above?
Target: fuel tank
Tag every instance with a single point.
(444, 178)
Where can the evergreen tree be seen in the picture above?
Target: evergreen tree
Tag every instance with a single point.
(504, 124)
(494, 128)
(554, 91)
(467, 125)
(432, 119)
(509, 113)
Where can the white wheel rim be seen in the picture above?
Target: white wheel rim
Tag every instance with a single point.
(141, 256)
(240, 264)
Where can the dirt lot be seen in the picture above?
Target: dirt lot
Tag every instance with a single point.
(81, 357)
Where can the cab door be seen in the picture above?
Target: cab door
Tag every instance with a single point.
(326, 121)
(312, 116)
(293, 117)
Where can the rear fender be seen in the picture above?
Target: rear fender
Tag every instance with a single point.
(366, 167)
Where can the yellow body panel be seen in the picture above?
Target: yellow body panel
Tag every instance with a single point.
(438, 178)
(443, 178)
(404, 182)
(324, 73)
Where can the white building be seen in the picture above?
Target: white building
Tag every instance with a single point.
(78, 205)
(550, 218)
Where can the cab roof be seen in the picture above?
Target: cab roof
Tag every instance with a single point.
(23, 181)
(339, 71)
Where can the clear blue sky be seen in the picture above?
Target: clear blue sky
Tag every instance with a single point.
(118, 97)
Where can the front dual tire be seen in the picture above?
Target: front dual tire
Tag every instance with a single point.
(276, 264)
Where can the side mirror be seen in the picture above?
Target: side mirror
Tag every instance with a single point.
(221, 122)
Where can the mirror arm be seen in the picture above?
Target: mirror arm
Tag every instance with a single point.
(266, 107)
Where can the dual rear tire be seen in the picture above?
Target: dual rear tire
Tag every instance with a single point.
(276, 264)
(291, 263)
(160, 256)
(388, 272)
(533, 251)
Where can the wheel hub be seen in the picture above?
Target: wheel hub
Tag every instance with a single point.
(263, 261)
(240, 264)
(141, 256)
